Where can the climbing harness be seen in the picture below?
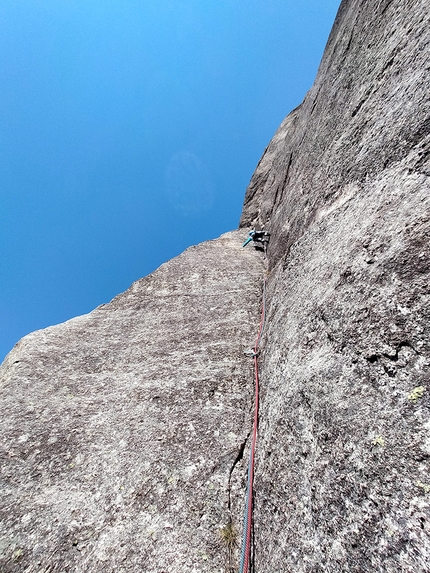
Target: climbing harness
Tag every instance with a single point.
(247, 521)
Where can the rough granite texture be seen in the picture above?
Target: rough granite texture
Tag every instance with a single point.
(342, 477)
(121, 430)
(124, 432)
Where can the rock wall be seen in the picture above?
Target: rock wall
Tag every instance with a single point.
(342, 478)
(367, 110)
(124, 432)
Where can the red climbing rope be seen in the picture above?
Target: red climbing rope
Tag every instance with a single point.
(247, 522)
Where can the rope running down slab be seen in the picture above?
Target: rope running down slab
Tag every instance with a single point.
(247, 522)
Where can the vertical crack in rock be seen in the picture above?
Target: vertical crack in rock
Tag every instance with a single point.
(238, 459)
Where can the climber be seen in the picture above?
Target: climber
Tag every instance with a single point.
(260, 238)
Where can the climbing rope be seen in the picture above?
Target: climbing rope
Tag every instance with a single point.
(247, 522)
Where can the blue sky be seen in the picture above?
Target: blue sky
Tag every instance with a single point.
(129, 130)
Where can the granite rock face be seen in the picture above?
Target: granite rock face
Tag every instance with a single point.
(368, 109)
(122, 431)
(342, 478)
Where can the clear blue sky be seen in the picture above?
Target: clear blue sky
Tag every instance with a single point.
(129, 130)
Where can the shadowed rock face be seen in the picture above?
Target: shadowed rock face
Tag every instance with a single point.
(342, 478)
(124, 431)
(120, 430)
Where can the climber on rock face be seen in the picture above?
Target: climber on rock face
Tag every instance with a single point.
(260, 238)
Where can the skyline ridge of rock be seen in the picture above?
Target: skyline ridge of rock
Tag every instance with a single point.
(125, 432)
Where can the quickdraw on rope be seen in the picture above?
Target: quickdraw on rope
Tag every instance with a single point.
(247, 522)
